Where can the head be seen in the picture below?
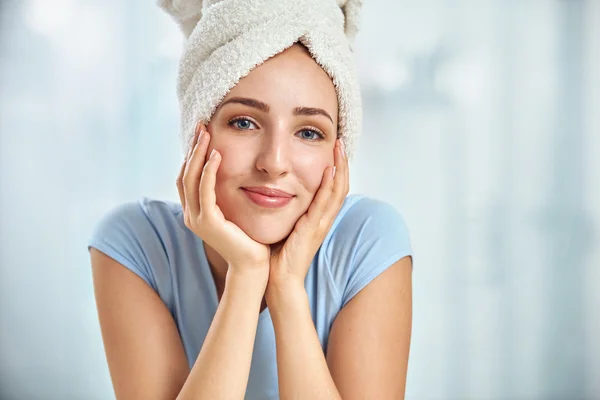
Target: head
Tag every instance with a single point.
(283, 138)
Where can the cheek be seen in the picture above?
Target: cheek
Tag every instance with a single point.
(229, 168)
(311, 168)
(234, 160)
(228, 180)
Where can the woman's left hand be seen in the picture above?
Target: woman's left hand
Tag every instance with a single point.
(290, 260)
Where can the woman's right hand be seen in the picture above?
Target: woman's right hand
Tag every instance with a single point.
(196, 186)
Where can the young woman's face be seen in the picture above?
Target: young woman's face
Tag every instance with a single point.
(276, 129)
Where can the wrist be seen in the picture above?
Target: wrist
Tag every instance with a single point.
(246, 283)
(288, 295)
(247, 272)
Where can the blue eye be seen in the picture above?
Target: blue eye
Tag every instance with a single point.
(245, 124)
(241, 123)
(310, 134)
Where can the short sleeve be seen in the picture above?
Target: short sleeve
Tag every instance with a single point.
(126, 234)
(369, 237)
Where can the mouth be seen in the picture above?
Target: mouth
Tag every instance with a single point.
(267, 197)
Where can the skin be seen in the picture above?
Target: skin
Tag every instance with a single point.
(261, 257)
(274, 148)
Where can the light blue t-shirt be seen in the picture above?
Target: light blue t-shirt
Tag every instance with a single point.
(150, 238)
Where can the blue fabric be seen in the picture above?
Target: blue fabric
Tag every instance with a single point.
(150, 238)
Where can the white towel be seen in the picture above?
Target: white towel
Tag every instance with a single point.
(226, 39)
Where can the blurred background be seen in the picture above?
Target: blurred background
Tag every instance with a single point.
(482, 127)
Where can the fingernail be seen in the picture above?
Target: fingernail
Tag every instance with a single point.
(333, 172)
(343, 148)
(212, 153)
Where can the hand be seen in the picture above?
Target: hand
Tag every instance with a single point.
(196, 186)
(290, 261)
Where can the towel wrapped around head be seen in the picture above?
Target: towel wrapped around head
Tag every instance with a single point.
(226, 39)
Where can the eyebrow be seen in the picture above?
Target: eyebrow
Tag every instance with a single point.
(259, 105)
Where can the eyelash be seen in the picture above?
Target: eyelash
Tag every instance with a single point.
(320, 134)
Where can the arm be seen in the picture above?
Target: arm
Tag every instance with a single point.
(223, 365)
(369, 341)
(145, 355)
(301, 366)
(367, 355)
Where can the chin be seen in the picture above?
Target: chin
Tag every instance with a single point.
(267, 238)
(266, 228)
(266, 232)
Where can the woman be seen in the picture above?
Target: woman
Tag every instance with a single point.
(267, 281)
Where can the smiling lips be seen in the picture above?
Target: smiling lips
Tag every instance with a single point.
(268, 197)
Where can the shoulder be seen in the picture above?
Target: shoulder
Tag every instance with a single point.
(137, 215)
(367, 237)
(369, 219)
(139, 234)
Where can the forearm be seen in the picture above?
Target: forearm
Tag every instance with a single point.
(222, 368)
(302, 368)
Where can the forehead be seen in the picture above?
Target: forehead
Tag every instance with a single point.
(290, 79)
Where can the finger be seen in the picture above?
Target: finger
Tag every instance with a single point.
(340, 184)
(319, 204)
(346, 171)
(206, 192)
(332, 203)
(179, 181)
(179, 184)
(193, 172)
(340, 188)
(194, 139)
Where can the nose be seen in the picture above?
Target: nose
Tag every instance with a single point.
(274, 158)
